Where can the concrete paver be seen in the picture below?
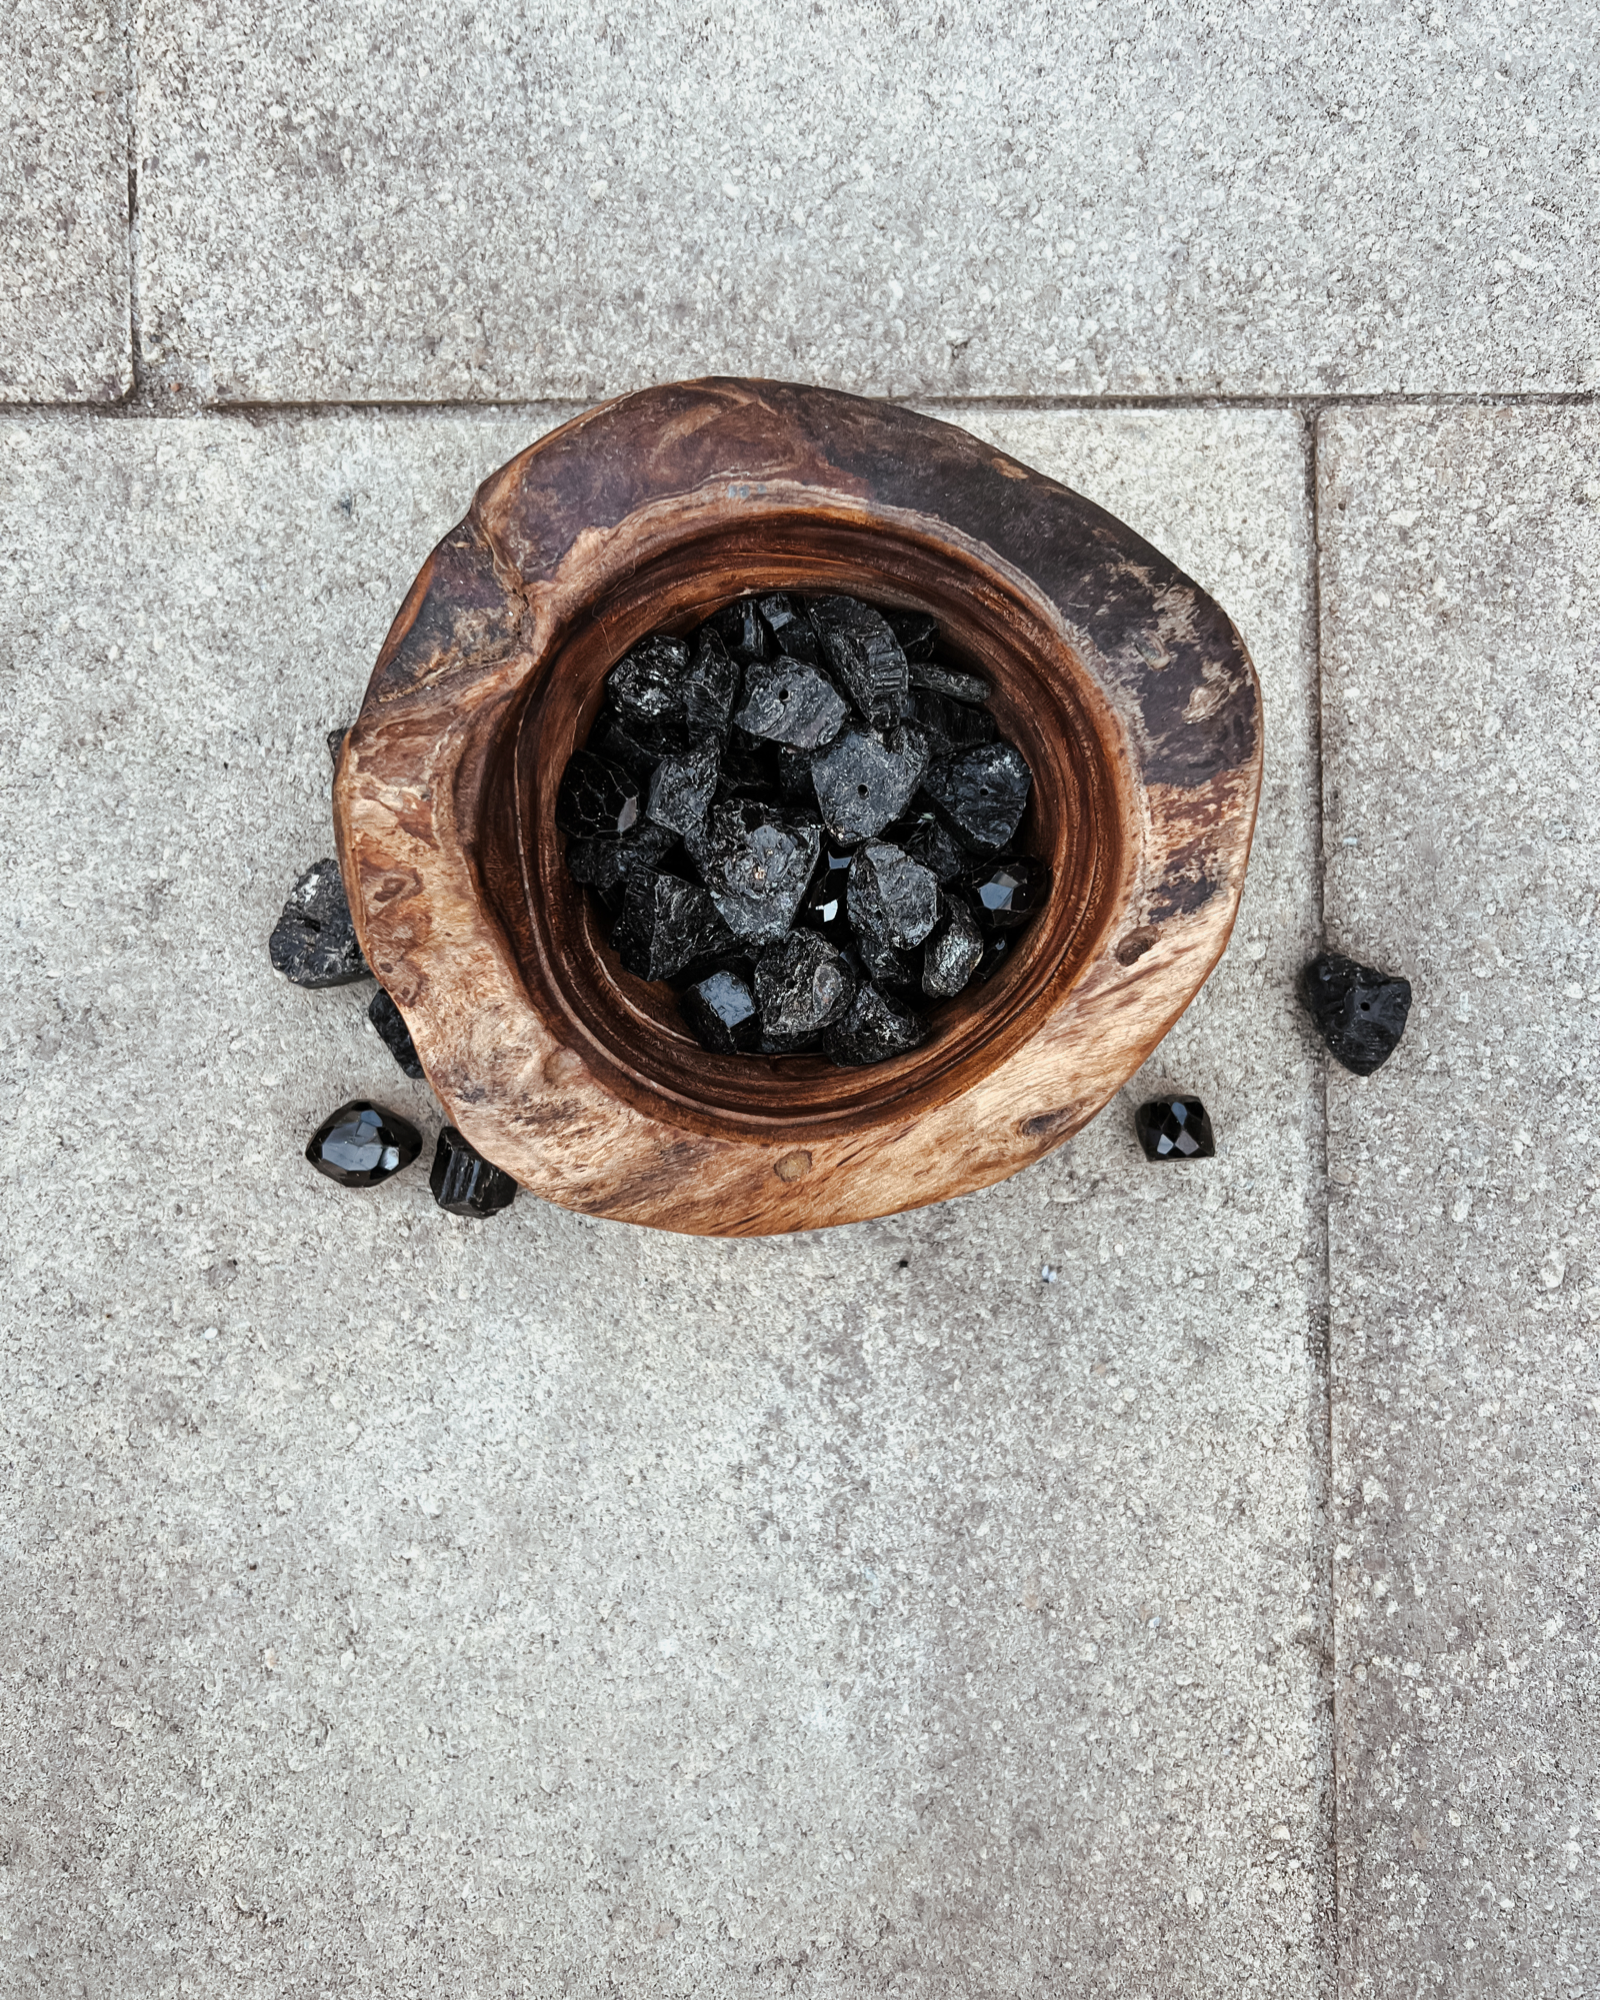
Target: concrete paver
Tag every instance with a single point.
(64, 326)
(1460, 552)
(930, 199)
(550, 1606)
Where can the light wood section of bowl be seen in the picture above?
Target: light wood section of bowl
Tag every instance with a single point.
(1124, 685)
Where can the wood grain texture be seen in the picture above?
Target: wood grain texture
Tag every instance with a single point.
(1124, 685)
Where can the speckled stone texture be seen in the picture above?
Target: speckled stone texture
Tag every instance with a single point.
(64, 294)
(552, 1608)
(930, 199)
(1460, 596)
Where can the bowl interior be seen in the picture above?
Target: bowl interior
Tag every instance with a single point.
(1077, 819)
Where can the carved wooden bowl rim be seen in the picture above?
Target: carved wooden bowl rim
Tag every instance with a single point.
(1125, 685)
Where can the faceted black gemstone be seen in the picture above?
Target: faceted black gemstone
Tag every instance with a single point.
(996, 952)
(743, 630)
(314, 942)
(950, 726)
(336, 742)
(666, 924)
(1174, 1128)
(917, 631)
(864, 654)
(464, 1182)
(682, 788)
(924, 838)
(892, 899)
(802, 987)
(823, 908)
(1010, 893)
(791, 628)
(1360, 1013)
(874, 1029)
(756, 861)
(605, 865)
(981, 794)
(721, 1012)
(362, 1144)
(864, 781)
(953, 952)
(390, 1023)
(958, 684)
(786, 701)
(597, 798)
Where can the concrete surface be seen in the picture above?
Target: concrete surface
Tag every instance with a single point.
(1460, 592)
(350, 200)
(555, 1607)
(64, 284)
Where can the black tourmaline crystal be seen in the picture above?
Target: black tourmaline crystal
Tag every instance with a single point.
(893, 900)
(982, 794)
(756, 861)
(874, 1029)
(721, 1012)
(596, 798)
(748, 809)
(865, 780)
(1174, 1128)
(362, 1144)
(1010, 893)
(390, 1023)
(1360, 1013)
(802, 987)
(314, 942)
(953, 952)
(859, 645)
(786, 701)
(464, 1182)
(682, 788)
(666, 925)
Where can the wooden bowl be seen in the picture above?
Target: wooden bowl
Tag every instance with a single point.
(1124, 685)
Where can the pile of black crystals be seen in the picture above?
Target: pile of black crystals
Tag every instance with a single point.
(804, 819)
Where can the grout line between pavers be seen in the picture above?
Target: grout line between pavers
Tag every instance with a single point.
(1322, 1419)
(143, 405)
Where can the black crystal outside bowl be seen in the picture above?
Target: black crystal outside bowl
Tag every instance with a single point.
(1124, 686)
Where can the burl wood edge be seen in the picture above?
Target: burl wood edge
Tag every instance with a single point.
(441, 805)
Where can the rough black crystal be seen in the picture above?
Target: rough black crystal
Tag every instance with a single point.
(336, 743)
(823, 908)
(390, 1023)
(1174, 1128)
(791, 629)
(950, 726)
(614, 740)
(953, 952)
(889, 968)
(464, 1182)
(958, 684)
(597, 798)
(874, 1029)
(925, 839)
(866, 780)
(1009, 893)
(670, 696)
(721, 1012)
(682, 788)
(786, 701)
(605, 865)
(742, 629)
(1360, 1013)
(314, 943)
(756, 861)
(981, 794)
(361, 1144)
(665, 925)
(802, 987)
(859, 645)
(893, 900)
